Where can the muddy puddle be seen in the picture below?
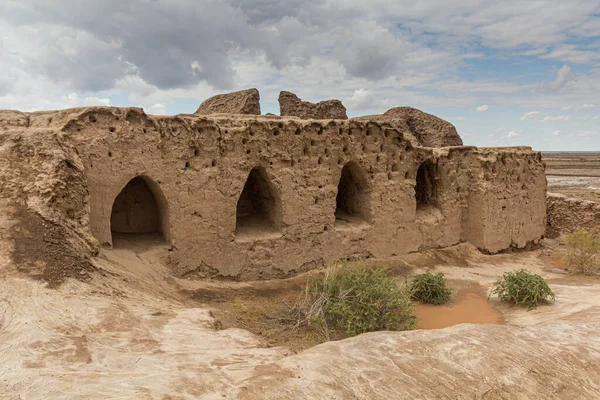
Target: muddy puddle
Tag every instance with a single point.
(469, 306)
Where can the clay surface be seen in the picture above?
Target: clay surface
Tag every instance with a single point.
(263, 197)
(420, 128)
(240, 102)
(291, 105)
(567, 214)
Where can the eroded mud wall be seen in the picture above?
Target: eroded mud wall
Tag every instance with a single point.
(197, 167)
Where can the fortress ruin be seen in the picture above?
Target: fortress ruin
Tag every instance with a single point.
(246, 197)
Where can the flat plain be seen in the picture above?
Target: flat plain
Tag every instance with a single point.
(574, 174)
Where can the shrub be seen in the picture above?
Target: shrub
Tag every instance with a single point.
(430, 288)
(353, 299)
(581, 252)
(523, 288)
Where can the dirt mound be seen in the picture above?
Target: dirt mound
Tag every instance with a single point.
(47, 203)
(420, 128)
(291, 105)
(240, 102)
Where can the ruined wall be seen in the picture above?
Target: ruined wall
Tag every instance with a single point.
(567, 214)
(197, 168)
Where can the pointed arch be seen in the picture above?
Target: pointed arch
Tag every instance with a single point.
(139, 209)
(426, 186)
(352, 200)
(258, 209)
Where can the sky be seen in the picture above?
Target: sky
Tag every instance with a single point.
(504, 73)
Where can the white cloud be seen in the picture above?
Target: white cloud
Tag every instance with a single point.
(567, 108)
(564, 77)
(555, 118)
(73, 100)
(482, 108)
(361, 99)
(460, 118)
(556, 133)
(513, 134)
(587, 106)
(584, 133)
(530, 115)
(158, 109)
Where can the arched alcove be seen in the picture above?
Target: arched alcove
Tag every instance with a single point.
(426, 186)
(258, 209)
(352, 200)
(139, 214)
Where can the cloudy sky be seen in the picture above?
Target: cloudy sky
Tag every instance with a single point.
(504, 72)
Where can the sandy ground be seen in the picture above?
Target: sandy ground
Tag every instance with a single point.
(134, 332)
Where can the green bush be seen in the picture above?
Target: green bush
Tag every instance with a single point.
(353, 299)
(430, 288)
(581, 252)
(523, 288)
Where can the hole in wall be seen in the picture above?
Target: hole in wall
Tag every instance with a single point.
(139, 214)
(110, 153)
(352, 200)
(187, 165)
(112, 129)
(426, 186)
(213, 163)
(298, 131)
(258, 209)
(196, 151)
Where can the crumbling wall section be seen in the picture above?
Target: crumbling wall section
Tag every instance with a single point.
(567, 214)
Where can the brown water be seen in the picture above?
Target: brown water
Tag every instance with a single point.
(470, 306)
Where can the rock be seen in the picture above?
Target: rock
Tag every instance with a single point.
(550, 361)
(420, 128)
(241, 102)
(291, 105)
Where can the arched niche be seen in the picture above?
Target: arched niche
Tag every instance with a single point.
(352, 200)
(426, 186)
(140, 213)
(258, 210)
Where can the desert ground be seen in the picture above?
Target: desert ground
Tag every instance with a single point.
(135, 331)
(574, 174)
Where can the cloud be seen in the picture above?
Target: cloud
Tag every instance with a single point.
(482, 108)
(530, 115)
(73, 100)
(556, 133)
(361, 99)
(513, 134)
(564, 77)
(587, 106)
(460, 118)
(157, 109)
(555, 118)
(584, 133)
(567, 108)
